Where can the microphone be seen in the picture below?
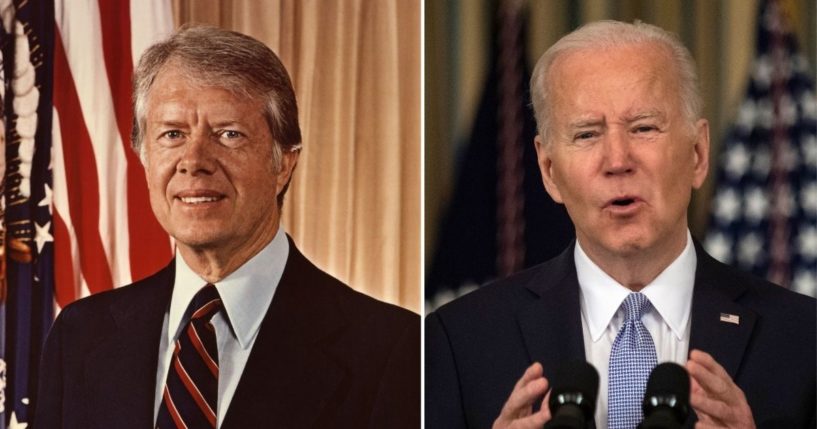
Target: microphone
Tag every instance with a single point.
(666, 401)
(573, 396)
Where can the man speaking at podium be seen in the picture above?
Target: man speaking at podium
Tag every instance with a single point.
(240, 330)
(621, 143)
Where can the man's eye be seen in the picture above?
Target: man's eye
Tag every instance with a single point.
(644, 128)
(172, 134)
(585, 135)
(230, 134)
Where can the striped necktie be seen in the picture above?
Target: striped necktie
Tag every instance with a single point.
(189, 399)
(631, 360)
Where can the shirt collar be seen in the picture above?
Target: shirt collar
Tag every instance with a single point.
(246, 293)
(670, 293)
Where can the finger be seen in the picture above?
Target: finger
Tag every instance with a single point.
(694, 386)
(698, 395)
(705, 419)
(710, 410)
(521, 399)
(728, 408)
(714, 384)
(523, 395)
(711, 407)
(546, 405)
(511, 407)
(696, 372)
(532, 372)
(708, 362)
(702, 416)
(533, 421)
(518, 416)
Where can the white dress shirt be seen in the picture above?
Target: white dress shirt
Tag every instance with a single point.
(668, 321)
(246, 295)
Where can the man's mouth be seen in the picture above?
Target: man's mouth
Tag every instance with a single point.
(622, 202)
(199, 197)
(198, 200)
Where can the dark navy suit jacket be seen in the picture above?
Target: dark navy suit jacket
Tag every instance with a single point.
(479, 345)
(325, 356)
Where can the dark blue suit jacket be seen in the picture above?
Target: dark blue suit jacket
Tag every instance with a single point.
(325, 356)
(478, 346)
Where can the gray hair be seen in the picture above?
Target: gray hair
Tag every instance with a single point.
(229, 60)
(608, 34)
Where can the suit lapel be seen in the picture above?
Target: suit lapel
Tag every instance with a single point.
(291, 375)
(121, 369)
(551, 324)
(715, 298)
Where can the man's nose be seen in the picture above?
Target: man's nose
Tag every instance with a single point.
(197, 156)
(618, 153)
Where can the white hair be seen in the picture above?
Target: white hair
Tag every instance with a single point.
(610, 34)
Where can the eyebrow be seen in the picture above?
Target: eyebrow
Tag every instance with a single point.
(174, 123)
(227, 123)
(586, 122)
(647, 114)
(169, 123)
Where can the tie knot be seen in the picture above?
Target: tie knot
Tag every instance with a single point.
(635, 305)
(205, 303)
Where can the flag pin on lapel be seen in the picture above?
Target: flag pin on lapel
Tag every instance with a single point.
(730, 318)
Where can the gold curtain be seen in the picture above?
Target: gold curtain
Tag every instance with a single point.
(354, 204)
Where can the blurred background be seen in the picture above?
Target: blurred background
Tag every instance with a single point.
(486, 211)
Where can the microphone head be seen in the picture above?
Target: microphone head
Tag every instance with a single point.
(575, 383)
(668, 388)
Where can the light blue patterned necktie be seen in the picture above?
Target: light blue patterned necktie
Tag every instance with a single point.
(631, 360)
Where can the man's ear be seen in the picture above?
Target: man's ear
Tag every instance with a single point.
(545, 161)
(701, 153)
(289, 160)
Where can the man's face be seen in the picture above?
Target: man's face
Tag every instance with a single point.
(621, 155)
(209, 166)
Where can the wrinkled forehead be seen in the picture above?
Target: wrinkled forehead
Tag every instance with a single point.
(177, 72)
(175, 99)
(638, 73)
(641, 59)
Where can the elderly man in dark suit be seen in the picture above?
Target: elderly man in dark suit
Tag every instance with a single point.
(240, 330)
(621, 143)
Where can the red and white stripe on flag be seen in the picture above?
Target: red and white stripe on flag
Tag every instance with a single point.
(105, 234)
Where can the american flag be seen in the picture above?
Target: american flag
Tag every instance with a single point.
(77, 218)
(764, 212)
